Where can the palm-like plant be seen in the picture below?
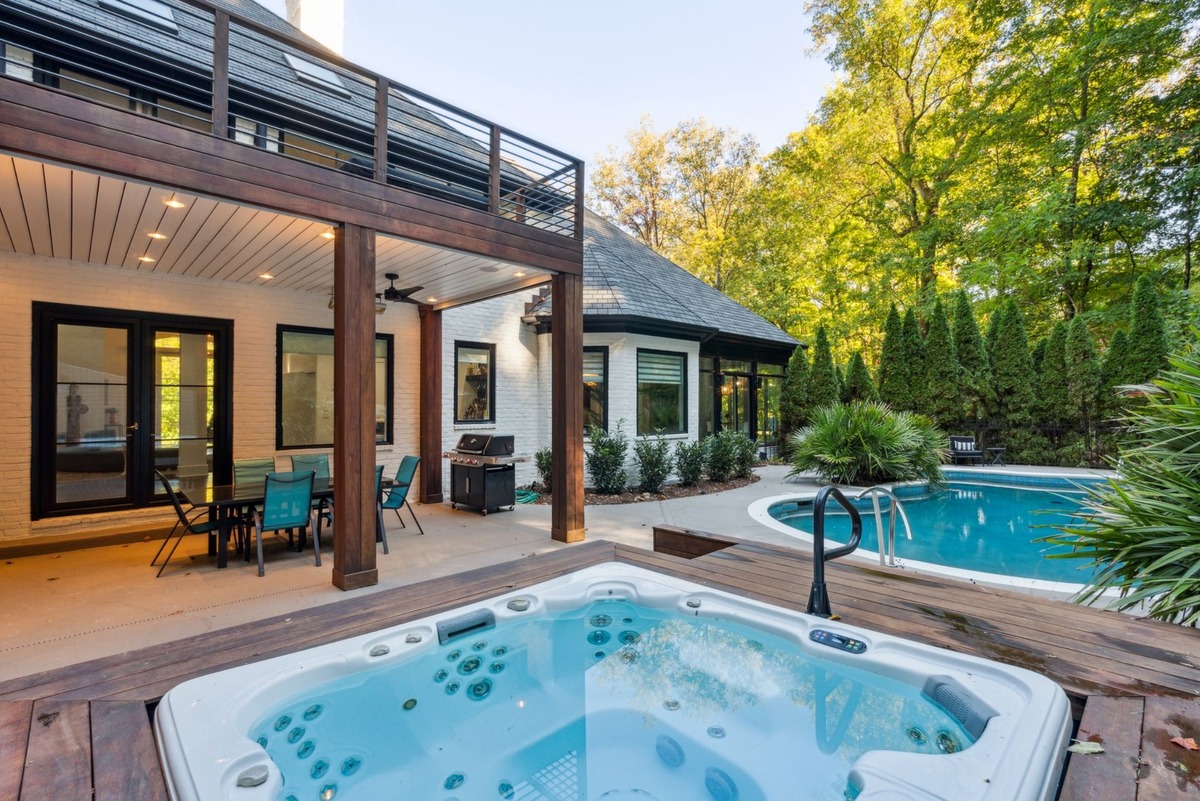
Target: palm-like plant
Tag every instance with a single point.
(1141, 531)
(865, 442)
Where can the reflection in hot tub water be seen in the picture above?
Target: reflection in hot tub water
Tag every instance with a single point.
(611, 702)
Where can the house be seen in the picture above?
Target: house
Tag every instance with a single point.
(199, 211)
(664, 354)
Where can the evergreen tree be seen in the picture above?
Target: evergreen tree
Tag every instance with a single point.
(1039, 353)
(1012, 383)
(1147, 333)
(859, 386)
(944, 404)
(893, 372)
(914, 356)
(1083, 377)
(1054, 406)
(793, 398)
(822, 382)
(974, 379)
(1114, 372)
(840, 375)
(993, 334)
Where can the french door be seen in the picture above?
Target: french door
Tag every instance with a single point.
(119, 395)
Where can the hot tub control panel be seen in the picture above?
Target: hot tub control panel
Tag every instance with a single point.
(838, 641)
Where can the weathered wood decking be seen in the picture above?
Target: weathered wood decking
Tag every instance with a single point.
(83, 731)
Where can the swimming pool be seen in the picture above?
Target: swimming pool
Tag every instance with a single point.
(979, 528)
(620, 684)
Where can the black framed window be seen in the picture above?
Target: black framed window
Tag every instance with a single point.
(474, 382)
(304, 388)
(595, 387)
(661, 392)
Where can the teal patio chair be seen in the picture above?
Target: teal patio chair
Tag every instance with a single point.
(184, 525)
(397, 496)
(380, 534)
(287, 504)
(250, 471)
(319, 464)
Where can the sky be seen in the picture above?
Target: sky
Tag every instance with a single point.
(578, 75)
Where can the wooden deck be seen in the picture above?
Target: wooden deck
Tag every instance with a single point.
(84, 731)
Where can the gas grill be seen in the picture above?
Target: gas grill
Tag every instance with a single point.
(483, 472)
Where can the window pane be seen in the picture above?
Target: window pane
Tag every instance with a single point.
(661, 395)
(183, 403)
(91, 413)
(731, 366)
(306, 390)
(595, 388)
(769, 392)
(472, 379)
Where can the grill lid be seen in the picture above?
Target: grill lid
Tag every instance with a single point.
(485, 444)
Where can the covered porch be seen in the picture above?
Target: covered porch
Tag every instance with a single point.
(118, 216)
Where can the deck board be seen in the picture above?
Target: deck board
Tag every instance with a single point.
(84, 729)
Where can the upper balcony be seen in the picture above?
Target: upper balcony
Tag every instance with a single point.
(236, 71)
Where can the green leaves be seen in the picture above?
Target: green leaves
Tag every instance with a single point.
(865, 443)
(1142, 530)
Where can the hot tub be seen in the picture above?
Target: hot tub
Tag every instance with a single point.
(620, 684)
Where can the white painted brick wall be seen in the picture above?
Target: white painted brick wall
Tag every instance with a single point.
(255, 311)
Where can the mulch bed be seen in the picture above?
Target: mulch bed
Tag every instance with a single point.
(668, 492)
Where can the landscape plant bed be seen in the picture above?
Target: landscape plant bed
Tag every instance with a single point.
(667, 493)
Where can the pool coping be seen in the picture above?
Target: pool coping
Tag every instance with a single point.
(759, 511)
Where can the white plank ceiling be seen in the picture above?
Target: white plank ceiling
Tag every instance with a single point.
(65, 213)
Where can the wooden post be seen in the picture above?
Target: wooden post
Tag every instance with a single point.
(220, 71)
(354, 407)
(494, 171)
(431, 405)
(382, 109)
(566, 408)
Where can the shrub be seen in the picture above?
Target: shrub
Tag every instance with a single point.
(725, 455)
(690, 458)
(1141, 531)
(867, 443)
(653, 457)
(745, 455)
(543, 460)
(606, 460)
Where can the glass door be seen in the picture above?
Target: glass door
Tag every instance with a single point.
(92, 428)
(735, 403)
(120, 395)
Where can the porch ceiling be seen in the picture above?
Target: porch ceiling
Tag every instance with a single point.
(65, 213)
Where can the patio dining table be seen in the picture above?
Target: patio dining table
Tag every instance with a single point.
(224, 500)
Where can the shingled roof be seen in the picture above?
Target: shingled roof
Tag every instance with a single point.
(624, 280)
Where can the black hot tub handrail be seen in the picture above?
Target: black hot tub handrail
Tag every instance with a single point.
(818, 597)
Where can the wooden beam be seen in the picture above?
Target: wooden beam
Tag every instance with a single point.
(430, 490)
(566, 408)
(44, 124)
(220, 84)
(354, 407)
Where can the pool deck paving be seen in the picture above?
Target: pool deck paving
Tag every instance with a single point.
(107, 639)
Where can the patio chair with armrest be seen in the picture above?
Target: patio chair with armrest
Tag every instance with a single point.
(287, 504)
(184, 524)
(964, 451)
(397, 496)
(380, 533)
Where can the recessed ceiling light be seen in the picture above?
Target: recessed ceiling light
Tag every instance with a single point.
(174, 204)
(156, 235)
(327, 235)
(265, 276)
(489, 268)
(146, 259)
(519, 274)
(431, 300)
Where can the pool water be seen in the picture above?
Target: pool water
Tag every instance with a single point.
(978, 527)
(611, 701)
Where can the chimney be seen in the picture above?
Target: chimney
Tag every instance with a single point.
(323, 20)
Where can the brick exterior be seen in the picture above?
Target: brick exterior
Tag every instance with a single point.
(255, 311)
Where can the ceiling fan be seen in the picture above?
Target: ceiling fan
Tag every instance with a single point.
(398, 295)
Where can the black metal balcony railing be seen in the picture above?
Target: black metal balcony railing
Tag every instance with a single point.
(282, 95)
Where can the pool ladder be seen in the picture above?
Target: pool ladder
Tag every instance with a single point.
(818, 597)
